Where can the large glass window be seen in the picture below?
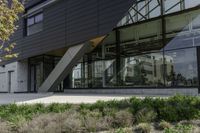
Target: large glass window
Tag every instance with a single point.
(143, 70)
(80, 76)
(140, 55)
(181, 67)
(34, 24)
(103, 73)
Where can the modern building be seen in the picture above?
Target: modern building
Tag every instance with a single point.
(106, 46)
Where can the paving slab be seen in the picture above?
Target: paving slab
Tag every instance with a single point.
(48, 98)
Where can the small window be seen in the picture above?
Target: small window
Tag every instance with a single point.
(30, 21)
(39, 18)
(34, 24)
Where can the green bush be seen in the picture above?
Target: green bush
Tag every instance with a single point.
(57, 108)
(93, 121)
(145, 115)
(16, 113)
(170, 109)
(178, 108)
(180, 129)
(100, 105)
(163, 125)
(124, 130)
(120, 130)
(143, 128)
(109, 112)
(123, 119)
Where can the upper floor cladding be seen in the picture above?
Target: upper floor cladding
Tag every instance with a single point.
(47, 25)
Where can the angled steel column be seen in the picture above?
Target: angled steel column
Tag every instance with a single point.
(66, 64)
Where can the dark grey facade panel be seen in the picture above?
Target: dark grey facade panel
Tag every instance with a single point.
(82, 18)
(107, 12)
(30, 3)
(68, 22)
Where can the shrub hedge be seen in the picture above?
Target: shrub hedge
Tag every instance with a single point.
(172, 109)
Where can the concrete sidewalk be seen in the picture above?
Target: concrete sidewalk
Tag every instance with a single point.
(48, 98)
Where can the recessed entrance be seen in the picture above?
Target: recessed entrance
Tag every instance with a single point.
(39, 69)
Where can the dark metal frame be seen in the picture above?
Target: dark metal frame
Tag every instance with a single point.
(146, 8)
(198, 65)
(118, 57)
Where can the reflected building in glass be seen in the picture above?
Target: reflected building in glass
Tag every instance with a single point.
(160, 50)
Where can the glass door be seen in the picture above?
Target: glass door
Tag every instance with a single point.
(36, 76)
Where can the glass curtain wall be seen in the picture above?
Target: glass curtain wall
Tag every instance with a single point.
(145, 55)
(183, 69)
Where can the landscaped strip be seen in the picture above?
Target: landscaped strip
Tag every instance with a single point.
(168, 115)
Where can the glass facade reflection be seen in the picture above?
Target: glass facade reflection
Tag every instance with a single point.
(183, 69)
(144, 55)
(173, 68)
(143, 70)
